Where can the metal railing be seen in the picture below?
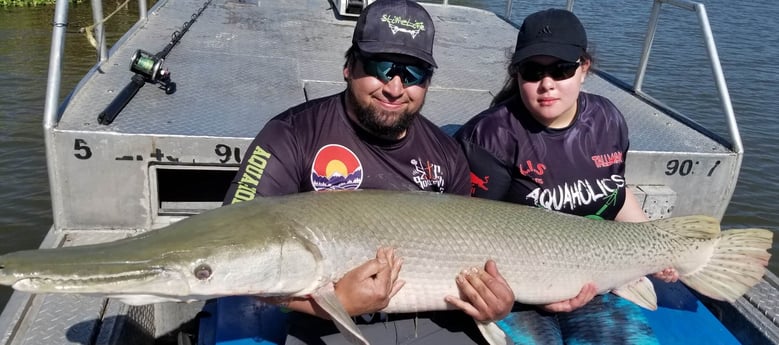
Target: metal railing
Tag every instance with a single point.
(711, 48)
(54, 78)
(53, 85)
(52, 109)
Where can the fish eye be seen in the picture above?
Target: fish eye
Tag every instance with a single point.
(203, 272)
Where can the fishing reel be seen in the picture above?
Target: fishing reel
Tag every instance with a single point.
(148, 69)
(149, 66)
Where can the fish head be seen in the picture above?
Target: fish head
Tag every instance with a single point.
(223, 252)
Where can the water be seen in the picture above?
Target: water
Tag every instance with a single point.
(25, 40)
(745, 33)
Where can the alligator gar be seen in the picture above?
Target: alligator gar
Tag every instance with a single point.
(299, 245)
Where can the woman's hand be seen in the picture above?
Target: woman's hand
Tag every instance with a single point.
(668, 275)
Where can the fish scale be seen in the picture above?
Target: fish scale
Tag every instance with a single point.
(440, 235)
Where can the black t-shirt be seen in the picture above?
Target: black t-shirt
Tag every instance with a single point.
(578, 170)
(314, 146)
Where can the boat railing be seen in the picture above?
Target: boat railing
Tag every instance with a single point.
(716, 68)
(53, 83)
(99, 18)
(60, 24)
(52, 109)
(711, 49)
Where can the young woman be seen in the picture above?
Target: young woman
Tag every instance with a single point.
(545, 143)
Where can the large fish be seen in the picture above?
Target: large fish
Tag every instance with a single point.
(300, 244)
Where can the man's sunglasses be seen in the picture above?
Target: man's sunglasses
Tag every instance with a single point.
(386, 70)
(533, 71)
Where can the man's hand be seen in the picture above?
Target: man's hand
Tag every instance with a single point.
(369, 287)
(586, 294)
(484, 294)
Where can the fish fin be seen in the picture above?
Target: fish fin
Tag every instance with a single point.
(737, 263)
(702, 227)
(640, 291)
(492, 333)
(325, 297)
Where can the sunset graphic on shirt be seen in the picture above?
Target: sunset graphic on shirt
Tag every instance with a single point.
(336, 167)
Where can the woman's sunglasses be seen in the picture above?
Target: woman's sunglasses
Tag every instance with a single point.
(533, 71)
(386, 70)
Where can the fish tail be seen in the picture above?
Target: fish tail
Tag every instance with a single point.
(737, 263)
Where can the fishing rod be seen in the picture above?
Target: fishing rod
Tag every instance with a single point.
(148, 69)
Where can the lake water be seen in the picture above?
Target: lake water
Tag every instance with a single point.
(745, 34)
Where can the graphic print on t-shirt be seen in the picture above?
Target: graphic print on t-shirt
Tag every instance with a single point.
(336, 167)
(579, 193)
(427, 174)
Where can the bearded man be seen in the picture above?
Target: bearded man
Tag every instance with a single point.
(372, 136)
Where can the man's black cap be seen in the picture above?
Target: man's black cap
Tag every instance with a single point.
(395, 27)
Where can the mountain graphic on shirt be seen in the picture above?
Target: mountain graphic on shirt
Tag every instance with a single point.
(336, 167)
(336, 181)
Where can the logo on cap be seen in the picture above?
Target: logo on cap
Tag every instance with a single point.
(395, 27)
(546, 30)
(395, 23)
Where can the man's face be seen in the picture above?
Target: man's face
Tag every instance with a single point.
(385, 109)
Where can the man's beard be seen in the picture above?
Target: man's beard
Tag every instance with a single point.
(382, 123)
